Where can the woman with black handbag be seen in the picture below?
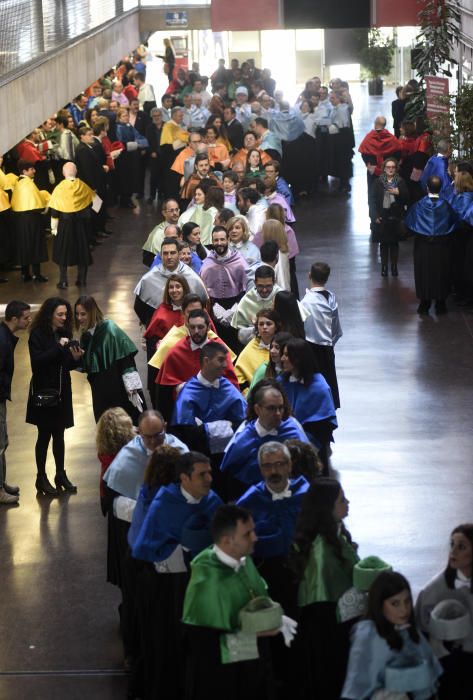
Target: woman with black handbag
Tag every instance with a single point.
(52, 356)
(391, 196)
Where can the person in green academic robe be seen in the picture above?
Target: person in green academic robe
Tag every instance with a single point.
(109, 361)
(223, 580)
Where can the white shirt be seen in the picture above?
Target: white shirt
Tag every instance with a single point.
(287, 493)
(226, 559)
(189, 498)
(194, 346)
(205, 382)
(262, 432)
(146, 94)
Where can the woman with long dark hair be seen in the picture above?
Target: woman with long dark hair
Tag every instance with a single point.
(108, 359)
(387, 652)
(455, 582)
(191, 235)
(309, 395)
(168, 314)
(285, 303)
(49, 407)
(322, 558)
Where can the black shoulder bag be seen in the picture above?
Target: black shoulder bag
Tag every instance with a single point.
(47, 398)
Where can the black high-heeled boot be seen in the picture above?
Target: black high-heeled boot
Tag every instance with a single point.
(44, 486)
(384, 270)
(63, 483)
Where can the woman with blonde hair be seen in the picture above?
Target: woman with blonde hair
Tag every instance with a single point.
(273, 230)
(169, 59)
(239, 237)
(114, 430)
(276, 211)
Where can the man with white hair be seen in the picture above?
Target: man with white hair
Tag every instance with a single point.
(438, 165)
(71, 221)
(199, 112)
(275, 503)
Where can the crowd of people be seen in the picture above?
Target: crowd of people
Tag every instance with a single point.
(225, 530)
(416, 189)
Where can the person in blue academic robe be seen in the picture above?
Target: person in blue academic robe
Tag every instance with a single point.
(438, 165)
(175, 528)
(460, 196)
(209, 409)
(275, 503)
(309, 395)
(268, 419)
(432, 220)
(374, 665)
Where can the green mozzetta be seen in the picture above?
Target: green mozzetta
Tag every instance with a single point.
(326, 577)
(216, 593)
(106, 346)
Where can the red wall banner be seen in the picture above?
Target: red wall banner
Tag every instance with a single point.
(245, 15)
(435, 90)
(402, 13)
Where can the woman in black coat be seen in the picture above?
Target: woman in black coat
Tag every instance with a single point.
(52, 358)
(390, 198)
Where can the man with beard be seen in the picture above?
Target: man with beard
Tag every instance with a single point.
(201, 173)
(260, 297)
(253, 206)
(377, 146)
(183, 360)
(150, 289)
(224, 273)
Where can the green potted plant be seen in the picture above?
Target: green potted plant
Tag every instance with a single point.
(376, 57)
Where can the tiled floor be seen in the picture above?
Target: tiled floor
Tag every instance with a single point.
(403, 449)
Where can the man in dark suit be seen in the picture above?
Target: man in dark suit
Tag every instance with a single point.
(140, 120)
(91, 169)
(234, 128)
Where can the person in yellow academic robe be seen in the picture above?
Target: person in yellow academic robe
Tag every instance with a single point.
(71, 222)
(27, 205)
(267, 324)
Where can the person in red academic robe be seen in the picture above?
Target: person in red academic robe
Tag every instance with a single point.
(377, 145)
(168, 314)
(183, 361)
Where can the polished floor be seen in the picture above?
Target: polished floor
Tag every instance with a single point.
(403, 449)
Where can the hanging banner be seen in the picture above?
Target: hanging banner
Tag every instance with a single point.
(437, 93)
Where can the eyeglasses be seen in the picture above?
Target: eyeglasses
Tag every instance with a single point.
(154, 436)
(274, 465)
(264, 286)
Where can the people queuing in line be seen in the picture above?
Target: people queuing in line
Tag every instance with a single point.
(244, 388)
